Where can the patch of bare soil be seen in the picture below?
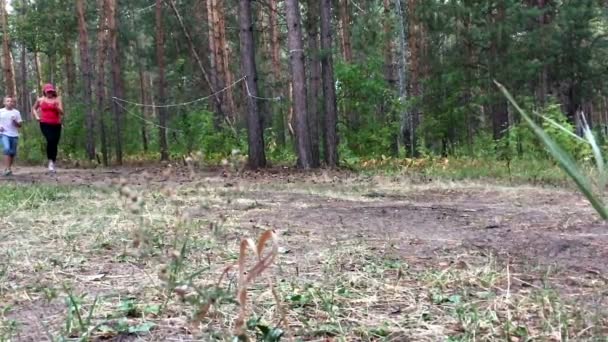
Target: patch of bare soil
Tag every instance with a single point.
(424, 224)
(548, 226)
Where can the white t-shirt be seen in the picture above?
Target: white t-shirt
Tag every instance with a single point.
(6, 122)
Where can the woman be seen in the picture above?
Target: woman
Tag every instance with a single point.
(49, 111)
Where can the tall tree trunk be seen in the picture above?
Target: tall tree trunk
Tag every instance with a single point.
(543, 82)
(500, 109)
(9, 71)
(144, 99)
(160, 61)
(25, 93)
(255, 129)
(102, 54)
(38, 69)
(87, 74)
(347, 49)
(329, 90)
(277, 83)
(116, 75)
(314, 84)
(25, 102)
(386, 114)
(217, 61)
(143, 90)
(405, 127)
(70, 70)
(415, 42)
(226, 58)
(298, 75)
(200, 36)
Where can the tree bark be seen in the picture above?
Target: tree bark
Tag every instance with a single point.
(347, 49)
(218, 64)
(543, 82)
(500, 109)
(405, 131)
(226, 57)
(116, 76)
(329, 90)
(87, 74)
(277, 81)
(9, 73)
(387, 115)
(70, 70)
(102, 54)
(298, 75)
(25, 93)
(415, 41)
(25, 102)
(38, 68)
(255, 129)
(160, 61)
(314, 84)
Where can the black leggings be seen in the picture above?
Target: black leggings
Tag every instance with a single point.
(52, 134)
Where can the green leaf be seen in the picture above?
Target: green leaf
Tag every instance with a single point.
(152, 309)
(455, 299)
(563, 158)
(141, 328)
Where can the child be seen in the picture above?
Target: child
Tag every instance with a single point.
(10, 122)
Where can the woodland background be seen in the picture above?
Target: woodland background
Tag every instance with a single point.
(307, 82)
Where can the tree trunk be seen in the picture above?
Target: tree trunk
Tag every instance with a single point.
(102, 54)
(277, 83)
(255, 129)
(347, 49)
(329, 90)
(87, 78)
(298, 75)
(386, 114)
(25, 102)
(144, 99)
(543, 81)
(70, 70)
(405, 127)
(38, 68)
(116, 76)
(160, 61)
(25, 94)
(9, 73)
(217, 61)
(226, 57)
(500, 109)
(415, 41)
(314, 84)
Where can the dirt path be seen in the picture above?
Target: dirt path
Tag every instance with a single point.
(541, 225)
(431, 225)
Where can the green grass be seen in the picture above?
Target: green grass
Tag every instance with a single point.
(26, 197)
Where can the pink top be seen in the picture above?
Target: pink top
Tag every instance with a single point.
(49, 113)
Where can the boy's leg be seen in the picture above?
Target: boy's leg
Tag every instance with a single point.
(6, 151)
(11, 156)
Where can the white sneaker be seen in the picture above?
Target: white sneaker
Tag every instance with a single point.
(51, 167)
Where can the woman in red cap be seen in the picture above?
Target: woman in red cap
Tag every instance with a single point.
(49, 111)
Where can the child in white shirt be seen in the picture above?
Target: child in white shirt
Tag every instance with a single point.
(10, 122)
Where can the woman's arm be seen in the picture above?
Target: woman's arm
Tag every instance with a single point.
(35, 108)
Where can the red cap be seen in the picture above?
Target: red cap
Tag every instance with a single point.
(48, 87)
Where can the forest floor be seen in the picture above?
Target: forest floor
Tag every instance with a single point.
(93, 254)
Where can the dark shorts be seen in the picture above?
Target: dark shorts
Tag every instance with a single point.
(9, 145)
